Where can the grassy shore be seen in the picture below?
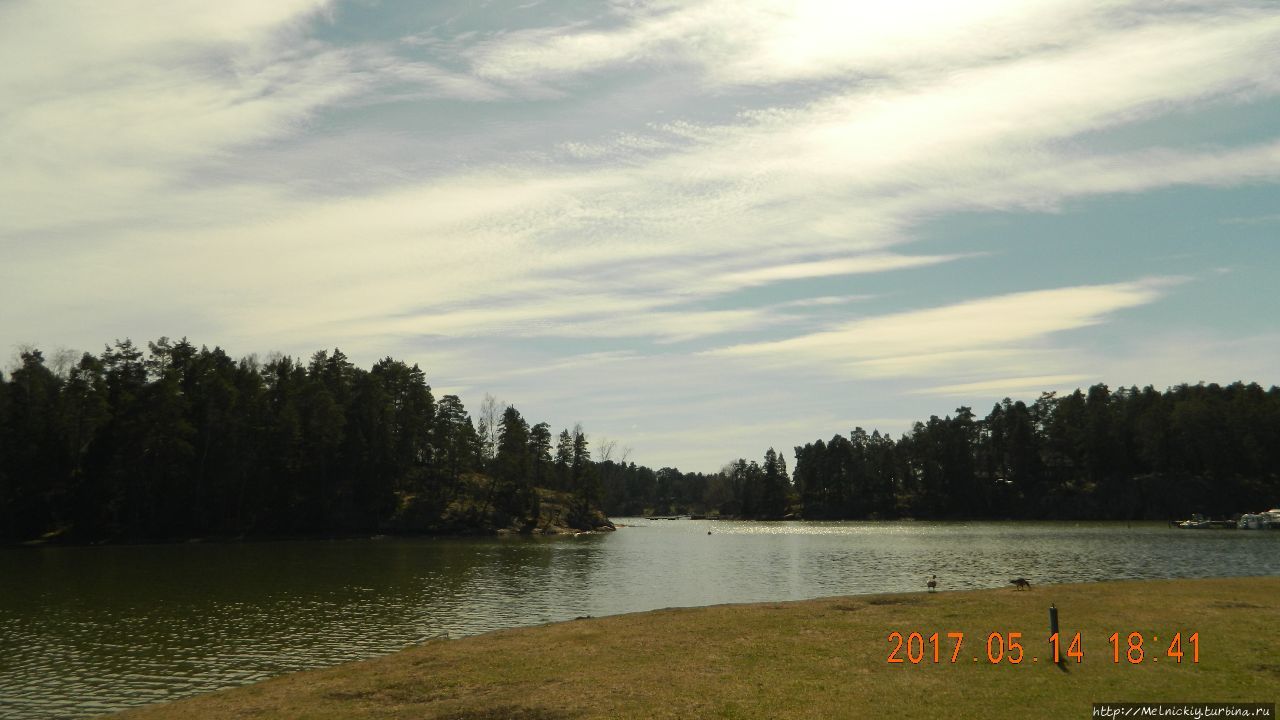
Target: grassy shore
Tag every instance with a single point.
(823, 658)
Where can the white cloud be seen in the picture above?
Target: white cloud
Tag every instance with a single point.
(954, 338)
(856, 265)
(118, 109)
(622, 146)
(774, 41)
(976, 136)
(976, 362)
(1007, 387)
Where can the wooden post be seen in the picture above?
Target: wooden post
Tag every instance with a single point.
(1053, 630)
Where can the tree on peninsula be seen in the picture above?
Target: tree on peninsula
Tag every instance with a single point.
(179, 441)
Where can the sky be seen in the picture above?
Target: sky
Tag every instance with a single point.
(700, 228)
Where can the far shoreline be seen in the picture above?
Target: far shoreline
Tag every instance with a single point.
(302, 537)
(555, 531)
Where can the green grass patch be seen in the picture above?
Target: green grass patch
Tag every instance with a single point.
(823, 658)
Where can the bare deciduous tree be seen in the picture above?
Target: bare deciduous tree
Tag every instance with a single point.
(605, 449)
(62, 362)
(490, 415)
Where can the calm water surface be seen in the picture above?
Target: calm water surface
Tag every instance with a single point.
(89, 630)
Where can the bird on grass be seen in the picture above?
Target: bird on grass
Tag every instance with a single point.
(932, 584)
(1020, 584)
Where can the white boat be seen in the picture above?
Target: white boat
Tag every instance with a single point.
(1260, 521)
(1197, 522)
(1254, 521)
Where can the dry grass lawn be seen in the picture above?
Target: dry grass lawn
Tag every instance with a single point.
(812, 659)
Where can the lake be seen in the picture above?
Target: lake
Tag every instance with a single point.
(87, 630)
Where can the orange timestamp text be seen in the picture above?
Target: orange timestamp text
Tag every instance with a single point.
(1007, 648)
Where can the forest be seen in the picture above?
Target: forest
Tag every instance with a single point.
(180, 442)
(1127, 454)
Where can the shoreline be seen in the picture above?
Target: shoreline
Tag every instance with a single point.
(827, 657)
(336, 537)
(489, 532)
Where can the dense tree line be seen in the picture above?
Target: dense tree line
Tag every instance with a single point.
(1095, 454)
(1128, 454)
(180, 441)
(742, 488)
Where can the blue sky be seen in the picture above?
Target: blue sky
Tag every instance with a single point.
(700, 228)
